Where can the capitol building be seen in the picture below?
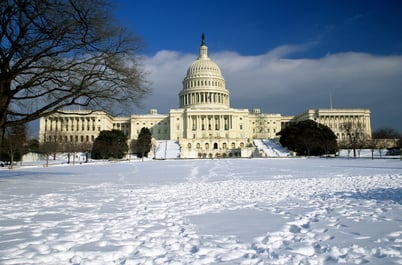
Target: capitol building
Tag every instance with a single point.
(204, 124)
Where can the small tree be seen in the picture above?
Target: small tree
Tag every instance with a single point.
(155, 147)
(33, 145)
(143, 143)
(356, 136)
(47, 148)
(381, 146)
(384, 137)
(309, 138)
(15, 143)
(110, 144)
(385, 133)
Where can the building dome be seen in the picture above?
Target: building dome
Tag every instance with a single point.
(204, 67)
(204, 85)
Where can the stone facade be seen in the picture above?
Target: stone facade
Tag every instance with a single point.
(341, 121)
(204, 124)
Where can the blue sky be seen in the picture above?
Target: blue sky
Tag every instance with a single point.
(282, 56)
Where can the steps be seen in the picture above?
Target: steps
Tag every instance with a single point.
(271, 149)
(167, 149)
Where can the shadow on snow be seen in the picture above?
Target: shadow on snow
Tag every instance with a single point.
(380, 194)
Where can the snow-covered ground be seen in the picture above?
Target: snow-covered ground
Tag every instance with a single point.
(229, 211)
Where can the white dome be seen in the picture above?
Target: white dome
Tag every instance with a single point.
(203, 66)
(204, 85)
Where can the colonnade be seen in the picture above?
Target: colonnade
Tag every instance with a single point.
(338, 122)
(70, 124)
(203, 83)
(204, 98)
(209, 122)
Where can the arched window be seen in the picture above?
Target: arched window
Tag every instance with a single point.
(207, 146)
(215, 145)
(189, 145)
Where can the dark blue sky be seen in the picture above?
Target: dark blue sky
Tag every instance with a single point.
(256, 26)
(281, 56)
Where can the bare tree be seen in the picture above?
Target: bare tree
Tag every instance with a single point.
(57, 54)
(48, 148)
(381, 146)
(154, 147)
(386, 138)
(356, 136)
(386, 133)
(70, 148)
(344, 144)
(15, 142)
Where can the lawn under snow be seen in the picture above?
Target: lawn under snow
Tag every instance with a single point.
(229, 211)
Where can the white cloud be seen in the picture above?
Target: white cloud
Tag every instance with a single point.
(290, 86)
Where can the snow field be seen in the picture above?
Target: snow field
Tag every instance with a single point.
(229, 211)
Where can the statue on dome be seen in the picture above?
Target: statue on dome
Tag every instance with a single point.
(202, 39)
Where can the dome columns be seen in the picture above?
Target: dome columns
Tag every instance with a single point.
(203, 98)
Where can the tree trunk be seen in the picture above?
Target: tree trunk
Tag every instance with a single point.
(4, 104)
(1, 135)
(47, 159)
(11, 160)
